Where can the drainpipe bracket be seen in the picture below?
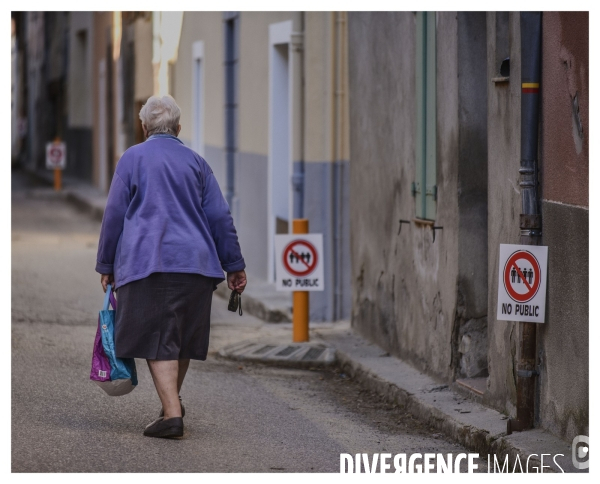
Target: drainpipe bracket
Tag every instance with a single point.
(297, 41)
(531, 225)
(531, 233)
(527, 373)
(297, 180)
(530, 221)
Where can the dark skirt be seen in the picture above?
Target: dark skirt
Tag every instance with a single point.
(165, 316)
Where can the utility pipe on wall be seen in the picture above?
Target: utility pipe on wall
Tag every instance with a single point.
(339, 155)
(297, 51)
(530, 220)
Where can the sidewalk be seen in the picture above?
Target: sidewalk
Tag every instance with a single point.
(478, 428)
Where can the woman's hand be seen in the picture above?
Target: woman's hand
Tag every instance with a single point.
(236, 281)
(106, 279)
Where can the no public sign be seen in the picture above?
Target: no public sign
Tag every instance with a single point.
(522, 283)
(56, 155)
(298, 263)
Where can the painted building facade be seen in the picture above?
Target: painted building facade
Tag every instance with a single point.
(264, 100)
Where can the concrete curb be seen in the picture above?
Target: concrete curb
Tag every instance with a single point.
(479, 429)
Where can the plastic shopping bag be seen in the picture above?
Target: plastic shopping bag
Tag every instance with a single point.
(116, 376)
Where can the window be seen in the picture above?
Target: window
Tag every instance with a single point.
(424, 187)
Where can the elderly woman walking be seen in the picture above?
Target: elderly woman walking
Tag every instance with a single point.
(167, 236)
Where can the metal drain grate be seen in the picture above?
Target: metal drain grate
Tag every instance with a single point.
(313, 353)
(288, 351)
(263, 350)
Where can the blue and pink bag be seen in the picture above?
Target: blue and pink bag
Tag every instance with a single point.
(116, 376)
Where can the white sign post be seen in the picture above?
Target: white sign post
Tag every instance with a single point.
(56, 155)
(522, 281)
(299, 262)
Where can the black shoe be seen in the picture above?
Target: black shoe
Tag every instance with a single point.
(162, 411)
(166, 429)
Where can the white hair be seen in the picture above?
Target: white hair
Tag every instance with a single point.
(160, 115)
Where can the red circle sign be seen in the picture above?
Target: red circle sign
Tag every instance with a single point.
(56, 155)
(300, 258)
(522, 276)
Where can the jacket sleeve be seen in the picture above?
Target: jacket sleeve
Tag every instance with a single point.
(221, 226)
(112, 224)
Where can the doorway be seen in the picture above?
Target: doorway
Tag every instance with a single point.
(280, 152)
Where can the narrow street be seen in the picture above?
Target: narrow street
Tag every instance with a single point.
(239, 418)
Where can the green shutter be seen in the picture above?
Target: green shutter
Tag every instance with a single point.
(430, 135)
(424, 187)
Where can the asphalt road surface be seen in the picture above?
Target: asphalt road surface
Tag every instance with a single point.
(238, 418)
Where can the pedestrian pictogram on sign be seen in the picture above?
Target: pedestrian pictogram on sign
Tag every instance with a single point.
(522, 283)
(299, 262)
(300, 258)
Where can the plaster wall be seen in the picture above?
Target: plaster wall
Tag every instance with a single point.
(144, 72)
(102, 26)
(253, 85)
(36, 92)
(504, 206)
(469, 344)
(563, 342)
(324, 184)
(207, 27)
(565, 60)
(318, 87)
(79, 100)
(327, 164)
(404, 285)
(80, 95)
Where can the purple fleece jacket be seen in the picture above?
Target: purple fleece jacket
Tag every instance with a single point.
(166, 213)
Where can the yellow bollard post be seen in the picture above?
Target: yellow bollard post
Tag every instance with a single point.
(57, 179)
(57, 173)
(300, 311)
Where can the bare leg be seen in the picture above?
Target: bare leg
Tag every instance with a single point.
(165, 376)
(183, 368)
